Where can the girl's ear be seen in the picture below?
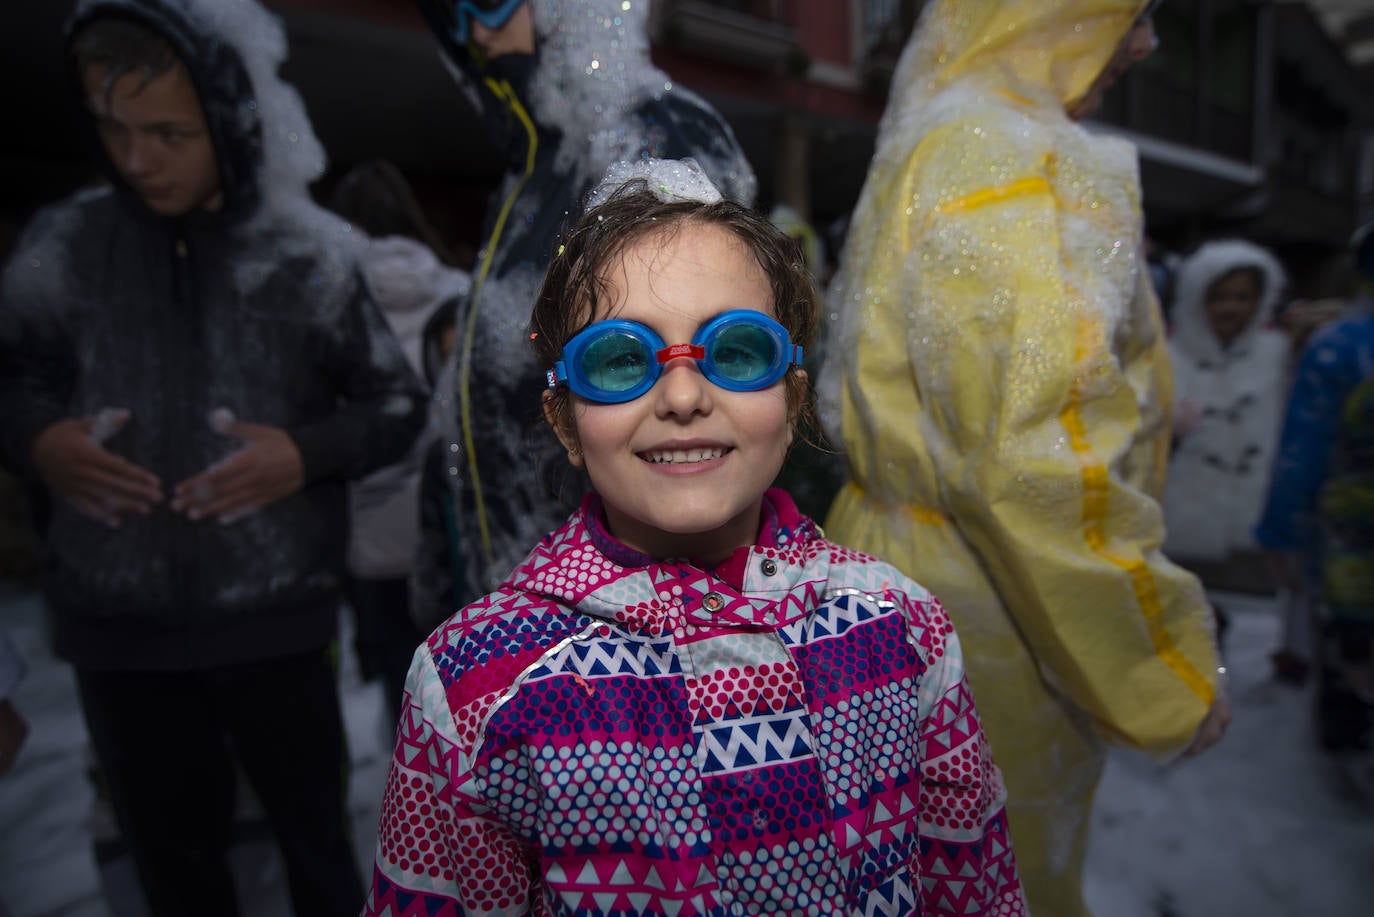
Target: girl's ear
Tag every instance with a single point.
(566, 436)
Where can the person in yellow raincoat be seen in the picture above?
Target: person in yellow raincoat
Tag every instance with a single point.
(1000, 382)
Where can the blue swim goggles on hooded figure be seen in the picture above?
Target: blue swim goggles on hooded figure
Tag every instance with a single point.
(457, 15)
(615, 361)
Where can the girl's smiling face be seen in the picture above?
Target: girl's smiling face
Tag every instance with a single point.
(681, 470)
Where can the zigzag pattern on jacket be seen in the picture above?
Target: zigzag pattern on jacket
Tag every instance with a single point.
(597, 739)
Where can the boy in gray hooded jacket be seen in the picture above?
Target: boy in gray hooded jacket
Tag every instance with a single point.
(193, 369)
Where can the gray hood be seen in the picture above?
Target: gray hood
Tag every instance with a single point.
(267, 150)
(591, 79)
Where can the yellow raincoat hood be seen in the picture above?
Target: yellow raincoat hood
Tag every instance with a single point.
(1025, 47)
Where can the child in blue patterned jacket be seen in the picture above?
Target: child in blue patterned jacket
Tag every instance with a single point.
(686, 700)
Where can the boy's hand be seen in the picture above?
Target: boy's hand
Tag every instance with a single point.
(106, 487)
(266, 468)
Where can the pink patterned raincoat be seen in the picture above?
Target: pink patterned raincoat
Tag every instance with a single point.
(789, 733)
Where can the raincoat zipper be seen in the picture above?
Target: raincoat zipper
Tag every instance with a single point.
(503, 91)
(183, 549)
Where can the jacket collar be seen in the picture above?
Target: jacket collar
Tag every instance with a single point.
(751, 589)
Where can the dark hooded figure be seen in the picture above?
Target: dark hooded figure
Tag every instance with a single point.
(190, 364)
(566, 88)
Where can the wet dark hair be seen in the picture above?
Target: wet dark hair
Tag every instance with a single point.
(575, 285)
(376, 197)
(123, 47)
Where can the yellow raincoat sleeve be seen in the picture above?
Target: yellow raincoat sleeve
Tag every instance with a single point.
(1041, 385)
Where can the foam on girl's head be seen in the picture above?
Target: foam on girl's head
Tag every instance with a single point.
(668, 180)
(646, 197)
(650, 197)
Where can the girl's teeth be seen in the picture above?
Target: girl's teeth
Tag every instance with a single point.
(684, 456)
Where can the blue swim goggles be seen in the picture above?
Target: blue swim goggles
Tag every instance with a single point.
(491, 13)
(615, 361)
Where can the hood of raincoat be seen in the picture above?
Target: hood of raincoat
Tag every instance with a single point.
(1200, 270)
(1035, 50)
(408, 277)
(409, 283)
(265, 146)
(1016, 66)
(588, 81)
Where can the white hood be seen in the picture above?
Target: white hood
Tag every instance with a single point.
(409, 282)
(1191, 334)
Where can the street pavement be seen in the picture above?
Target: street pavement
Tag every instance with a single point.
(1263, 825)
(59, 850)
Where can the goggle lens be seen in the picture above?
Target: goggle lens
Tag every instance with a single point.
(744, 353)
(616, 361)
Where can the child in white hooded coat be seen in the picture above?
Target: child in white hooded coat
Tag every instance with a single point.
(1230, 383)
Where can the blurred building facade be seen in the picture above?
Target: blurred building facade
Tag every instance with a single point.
(1254, 118)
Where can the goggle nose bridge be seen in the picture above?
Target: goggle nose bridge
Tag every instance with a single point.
(673, 351)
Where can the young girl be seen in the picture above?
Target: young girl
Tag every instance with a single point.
(1231, 381)
(686, 700)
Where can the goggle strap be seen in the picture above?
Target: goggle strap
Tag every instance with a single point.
(673, 351)
(555, 375)
(796, 355)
